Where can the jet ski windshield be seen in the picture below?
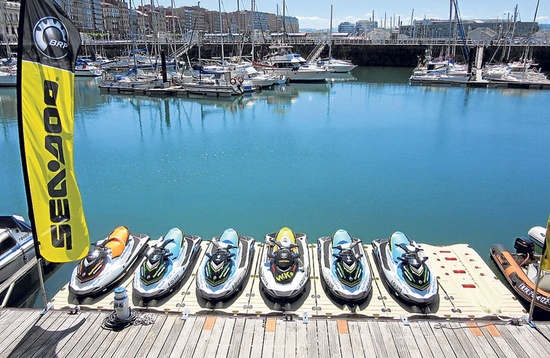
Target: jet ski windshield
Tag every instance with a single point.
(348, 259)
(219, 258)
(157, 256)
(414, 261)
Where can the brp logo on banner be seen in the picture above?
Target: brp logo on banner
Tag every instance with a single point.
(51, 38)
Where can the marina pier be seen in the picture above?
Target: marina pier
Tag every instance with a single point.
(477, 316)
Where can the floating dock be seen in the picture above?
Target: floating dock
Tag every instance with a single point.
(477, 316)
(468, 289)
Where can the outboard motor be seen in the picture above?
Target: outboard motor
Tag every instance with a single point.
(524, 246)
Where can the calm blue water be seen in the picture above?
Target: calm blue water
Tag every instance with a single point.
(443, 165)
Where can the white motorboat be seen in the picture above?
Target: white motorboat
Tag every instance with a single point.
(282, 61)
(16, 245)
(337, 66)
(258, 79)
(84, 69)
(8, 76)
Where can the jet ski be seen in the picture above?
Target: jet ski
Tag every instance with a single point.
(166, 264)
(225, 266)
(284, 270)
(107, 262)
(344, 269)
(403, 267)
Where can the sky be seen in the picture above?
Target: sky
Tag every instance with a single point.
(316, 13)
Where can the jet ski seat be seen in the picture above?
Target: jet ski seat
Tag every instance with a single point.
(286, 238)
(117, 240)
(396, 239)
(342, 239)
(174, 247)
(229, 237)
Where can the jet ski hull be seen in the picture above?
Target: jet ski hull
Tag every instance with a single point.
(175, 270)
(350, 284)
(284, 285)
(114, 270)
(391, 272)
(212, 287)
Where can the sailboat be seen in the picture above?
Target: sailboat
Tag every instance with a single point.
(331, 64)
(282, 61)
(443, 69)
(524, 73)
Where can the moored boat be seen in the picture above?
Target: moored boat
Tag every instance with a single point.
(403, 268)
(225, 266)
(344, 269)
(282, 61)
(107, 262)
(16, 245)
(84, 69)
(285, 264)
(167, 262)
(8, 76)
(521, 270)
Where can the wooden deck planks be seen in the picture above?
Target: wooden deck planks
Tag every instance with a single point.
(187, 337)
(236, 338)
(65, 324)
(411, 333)
(21, 341)
(21, 323)
(359, 336)
(73, 328)
(257, 342)
(494, 337)
(62, 335)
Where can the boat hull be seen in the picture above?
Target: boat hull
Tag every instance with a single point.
(392, 275)
(115, 269)
(16, 235)
(242, 262)
(178, 269)
(519, 282)
(349, 292)
(277, 287)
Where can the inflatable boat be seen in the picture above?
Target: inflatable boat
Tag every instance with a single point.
(521, 271)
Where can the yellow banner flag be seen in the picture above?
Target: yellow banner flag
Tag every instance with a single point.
(48, 46)
(545, 258)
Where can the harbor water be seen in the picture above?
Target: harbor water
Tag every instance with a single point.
(374, 155)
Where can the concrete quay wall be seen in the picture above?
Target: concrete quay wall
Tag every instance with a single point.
(392, 55)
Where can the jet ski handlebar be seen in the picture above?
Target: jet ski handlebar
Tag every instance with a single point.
(281, 246)
(348, 247)
(407, 249)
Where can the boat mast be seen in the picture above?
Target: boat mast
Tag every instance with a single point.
(450, 28)
(221, 28)
(330, 36)
(252, 4)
